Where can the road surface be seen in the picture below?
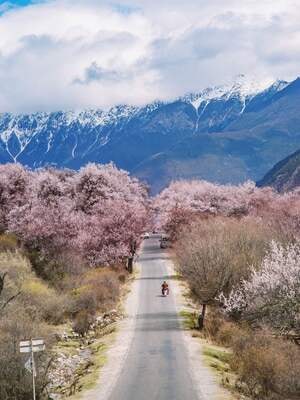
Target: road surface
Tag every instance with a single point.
(156, 366)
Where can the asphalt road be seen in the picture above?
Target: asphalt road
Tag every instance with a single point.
(156, 366)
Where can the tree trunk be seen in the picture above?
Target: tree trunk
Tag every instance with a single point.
(2, 282)
(202, 317)
(130, 264)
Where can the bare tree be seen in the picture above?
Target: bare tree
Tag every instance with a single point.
(208, 274)
(215, 254)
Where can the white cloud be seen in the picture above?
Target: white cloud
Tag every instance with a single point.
(64, 54)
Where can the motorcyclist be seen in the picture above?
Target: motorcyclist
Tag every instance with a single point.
(164, 288)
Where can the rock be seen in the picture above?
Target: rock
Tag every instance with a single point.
(66, 368)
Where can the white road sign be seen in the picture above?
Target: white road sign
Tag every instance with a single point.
(37, 345)
(32, 346)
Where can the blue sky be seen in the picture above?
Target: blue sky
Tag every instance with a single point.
(6, 5)
(16, 2)
(21, 2)
(74, 54)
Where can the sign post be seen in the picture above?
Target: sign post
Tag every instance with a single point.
(32, 346)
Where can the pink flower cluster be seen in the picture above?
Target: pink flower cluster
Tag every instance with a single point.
(96, 213)
(183, 200)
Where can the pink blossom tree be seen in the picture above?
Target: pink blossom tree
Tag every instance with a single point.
(14, 190)
(97, 213)
(200, 198)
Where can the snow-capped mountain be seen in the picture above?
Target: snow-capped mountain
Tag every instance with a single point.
(242, 88)
(195, 135)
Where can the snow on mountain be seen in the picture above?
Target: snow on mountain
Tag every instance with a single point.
(73, 137)
(278, 85)
(242, 88)
(24, 127)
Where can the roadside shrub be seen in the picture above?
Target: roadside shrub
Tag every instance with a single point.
(82, 323)
(38, 298)
(227, 333)
(98, 291)
(213, 323)
(21, 284)
(50, 268)
(84, 298)
(8, 242)
(14, 269)
(269, 366)
(122, 278)
(221, 330)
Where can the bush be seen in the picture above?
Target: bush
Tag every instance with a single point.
(14, 269)
(227, 332)
(221, 330)
(50, 268)
(38, 298)
(82, 323)
(21, 284)
(98, 291)
(8, 242)
(270, 367)
(213, 323)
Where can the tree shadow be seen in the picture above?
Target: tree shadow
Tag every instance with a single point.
(160, 278)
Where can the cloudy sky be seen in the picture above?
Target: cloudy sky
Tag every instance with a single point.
(73, 54)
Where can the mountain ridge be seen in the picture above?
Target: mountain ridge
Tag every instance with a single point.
(285, 175)
(227, 124)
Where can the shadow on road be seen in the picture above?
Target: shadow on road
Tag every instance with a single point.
(159, 315)
(159, 278)
(154, 257)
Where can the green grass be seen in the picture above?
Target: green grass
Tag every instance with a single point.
(189, 319)
(68, 347)
(89, 377)
(90, 374)
(217, 357)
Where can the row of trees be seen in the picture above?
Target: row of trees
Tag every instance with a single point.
(182, 201)
(239, 250)
(233, 240)
(89, 217)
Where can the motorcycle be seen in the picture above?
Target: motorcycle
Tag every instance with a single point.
(165, 292)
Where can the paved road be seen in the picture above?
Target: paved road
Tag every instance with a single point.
(156, 367)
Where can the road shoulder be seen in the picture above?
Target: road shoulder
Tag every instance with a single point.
(118, 349)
